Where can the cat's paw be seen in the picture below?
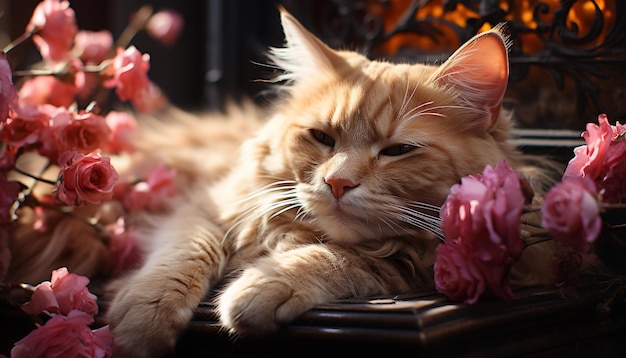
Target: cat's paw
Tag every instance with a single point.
(145, 319)
(255, 304)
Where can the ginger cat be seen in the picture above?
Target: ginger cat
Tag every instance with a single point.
(336, 195)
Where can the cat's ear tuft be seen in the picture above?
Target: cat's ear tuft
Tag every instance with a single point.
(304, 54)
(478, 71)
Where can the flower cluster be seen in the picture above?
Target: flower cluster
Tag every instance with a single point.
(58, 150)
(481, 220)
(482, 215)
(71, 309)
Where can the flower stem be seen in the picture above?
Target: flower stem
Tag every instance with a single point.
(56, 72)
(23, 37)
(136, 24)
(26, 287)
(20, 171)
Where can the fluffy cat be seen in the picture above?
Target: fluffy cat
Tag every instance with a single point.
(336, 195)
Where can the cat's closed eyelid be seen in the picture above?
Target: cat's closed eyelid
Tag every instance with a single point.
(322, 137)
(398, 149)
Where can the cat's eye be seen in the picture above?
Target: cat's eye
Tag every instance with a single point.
(396, 150)
(323, 137)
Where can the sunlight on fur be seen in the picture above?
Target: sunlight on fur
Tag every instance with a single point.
(332, 192)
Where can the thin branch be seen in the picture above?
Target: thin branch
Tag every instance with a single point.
(23, 37)
(47, 181)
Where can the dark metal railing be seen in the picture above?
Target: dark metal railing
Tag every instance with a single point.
(586, 62)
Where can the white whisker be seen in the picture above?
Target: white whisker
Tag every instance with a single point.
(429, 111)
(419, 107)
(275, 186)
(417, 218)
(425, 206)
(268, 201)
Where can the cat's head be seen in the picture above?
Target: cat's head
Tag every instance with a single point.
(374, 146)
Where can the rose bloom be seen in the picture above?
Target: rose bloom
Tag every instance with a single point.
(54, 23)
(165, 26)
(123, 247)
(154, 193)
(8, 95)
(55, 117)
(130, 73)
(462, 276)
(602, 159)
(8, 195)
(485, 211)
(47, 90)
(123, 129)
(92, 47)
(84, 179)
(150, 99)
(66, 336)
(66, 292)
(85, 133)
(23, 127)
(614, 182)
(589, 158)
(571, 213)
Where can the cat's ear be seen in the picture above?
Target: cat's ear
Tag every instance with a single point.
(304, 54)
(478, 71)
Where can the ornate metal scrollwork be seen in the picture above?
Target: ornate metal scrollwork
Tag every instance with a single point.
(580, 44)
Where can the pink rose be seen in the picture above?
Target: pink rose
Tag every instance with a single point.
(93, 47)
(54, 23)
(456, 276)
(485, 211)
(130, 73)
(123, 129)
(8, 195)
(601, 159)
(503, 213)
(613, 183)
(150, 99)
(85, 179)
(462, 276)
(154, 193)
(66, 292)
(589, 158)
(66, 336)
(165, 26)
(47, 90)
(571, 213)
(85, 133)
(56, 118)
(123, 247)
(25, 126)
(8, 95)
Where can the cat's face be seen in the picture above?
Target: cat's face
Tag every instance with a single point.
(374, 147)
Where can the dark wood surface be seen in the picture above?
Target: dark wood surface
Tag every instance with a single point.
(587, 320)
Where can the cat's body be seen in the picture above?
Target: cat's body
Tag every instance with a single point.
(335, 196)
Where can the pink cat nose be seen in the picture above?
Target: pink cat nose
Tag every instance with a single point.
(339, 186)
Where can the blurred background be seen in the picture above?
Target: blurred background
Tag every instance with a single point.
(567, 56)
(214, 58)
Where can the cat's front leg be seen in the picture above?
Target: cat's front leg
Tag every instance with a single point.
(282, 286)
(157, 302)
